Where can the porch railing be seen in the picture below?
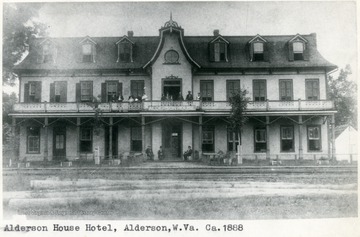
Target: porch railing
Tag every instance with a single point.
(269, 105)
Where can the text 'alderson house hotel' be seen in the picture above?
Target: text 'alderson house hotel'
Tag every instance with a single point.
(71, 92)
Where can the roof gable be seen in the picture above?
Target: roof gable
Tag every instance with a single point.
(87, 39)
(258, 38)
(219, 38)
(124, 38)
(298, 37)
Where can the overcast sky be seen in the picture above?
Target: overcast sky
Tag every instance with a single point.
(334, 22)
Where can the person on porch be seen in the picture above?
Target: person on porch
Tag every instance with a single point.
(180, 97)
(149, 153)
(187, 153)
(161, 153)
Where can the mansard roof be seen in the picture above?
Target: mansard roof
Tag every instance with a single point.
(145, 48)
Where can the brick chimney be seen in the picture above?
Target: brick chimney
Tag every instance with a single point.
(130, 33)
(216, 32)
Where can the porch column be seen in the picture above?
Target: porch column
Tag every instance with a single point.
(110, 136)
(15, 143)
(143, 135)
(267, 137)
(78, 137)
(200, 136)
(46, 148)
(300, 138)
(333, 152)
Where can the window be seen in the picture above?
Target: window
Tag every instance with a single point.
(171, 56)
(125, 52)
(286, 89)
(59, 141)
(47, 54)
(298, 48)
(86, 90)
(233, 140)
(208, 138)
(137, 88)
(32, 92)
(259, 90)
(220, 51)
(86, 140)
(207, 90)
(314, 138)
(111, 90)
(260, 140)
(87, 53)
(312, 89)
(232, 88)
(58, 92)
(33, 140)
(287, 138)
(258, 51)
(136, 139)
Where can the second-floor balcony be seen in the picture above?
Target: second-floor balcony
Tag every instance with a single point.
(161, 106)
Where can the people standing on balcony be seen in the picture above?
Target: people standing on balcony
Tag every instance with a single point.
(180, 97)
(144, 97)
(168, 97)
(189, 96)
(131, 99)
(120, 98)
(187, 153)
(198, 96)
(163, 97)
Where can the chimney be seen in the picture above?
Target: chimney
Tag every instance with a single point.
(130, 33)
(216, 32)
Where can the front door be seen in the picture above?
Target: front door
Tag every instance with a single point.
(59, 143)
(172, 134)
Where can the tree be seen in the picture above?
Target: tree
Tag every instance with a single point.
(19, 27)
(344, 93)
(237, 117)
(9, 141)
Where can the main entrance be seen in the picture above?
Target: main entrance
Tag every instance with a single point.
(172, 139)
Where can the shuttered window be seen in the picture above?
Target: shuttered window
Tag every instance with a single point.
(207, 90)
(86, 90)
(312, 89)
(259, 90)
(286, 89)
(33, 140)
(137, 88)
(260, 140)
(32, 92)
(136, 139)
(232, 88)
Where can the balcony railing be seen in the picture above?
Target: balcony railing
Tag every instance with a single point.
(153, 106)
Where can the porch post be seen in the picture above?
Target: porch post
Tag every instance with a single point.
(200, 136)
(143, 134)
(78, 137)
(46, 148)
(15, 142)
(110, 137)
(267, 137)
(333, 152)
(300, 138)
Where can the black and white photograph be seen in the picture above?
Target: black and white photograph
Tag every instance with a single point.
(180, 118)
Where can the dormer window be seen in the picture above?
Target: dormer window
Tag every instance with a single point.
(218, 48)
(47, 54)
(87, 53)
(258, 52)
(125, 52)
(258, 49)
(298, 48)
